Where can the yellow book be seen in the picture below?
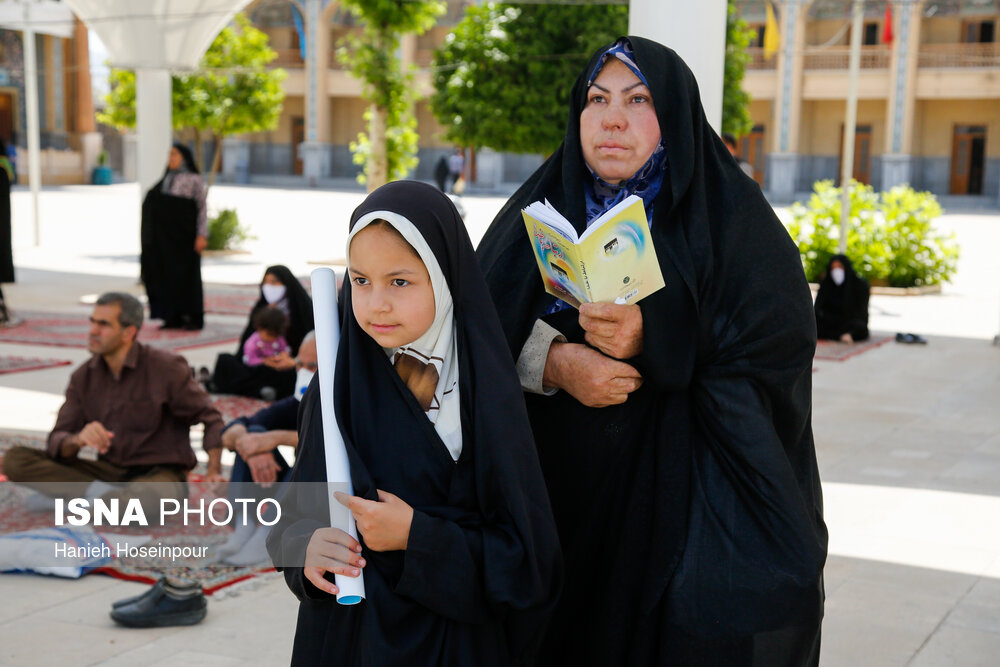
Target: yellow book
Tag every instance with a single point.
(612, 261)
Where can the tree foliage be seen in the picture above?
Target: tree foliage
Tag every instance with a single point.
(735, 101)
(388, 150)
(232, 91)
(503, 76)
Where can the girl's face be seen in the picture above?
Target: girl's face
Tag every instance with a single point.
(618, 125)
(391, 290)
(267, 336)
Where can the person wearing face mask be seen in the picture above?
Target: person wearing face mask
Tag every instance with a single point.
(275, 377)
(842, 303)
(259, 466)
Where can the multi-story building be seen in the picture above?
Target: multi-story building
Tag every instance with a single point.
(68, 136)
(928, 98)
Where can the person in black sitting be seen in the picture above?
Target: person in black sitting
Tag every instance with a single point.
(275, 378)
(842, 303)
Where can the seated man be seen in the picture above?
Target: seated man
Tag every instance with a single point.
(256, 439)
(126, 420)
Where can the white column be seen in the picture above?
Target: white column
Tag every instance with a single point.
(31, 108)
(153, 114)
(697, 32)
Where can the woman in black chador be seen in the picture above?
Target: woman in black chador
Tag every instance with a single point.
(674, 434)
(457, 543)
(842, 303)
(6, 245)
(174, 232)
(275, 378)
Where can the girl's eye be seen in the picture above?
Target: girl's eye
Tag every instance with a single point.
(360, 282)
(400, 282)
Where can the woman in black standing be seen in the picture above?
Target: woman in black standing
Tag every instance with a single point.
(174, 232)
(674, 434)
(6, 241)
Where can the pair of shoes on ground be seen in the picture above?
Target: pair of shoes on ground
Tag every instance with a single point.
(910, 339)
(165, 604)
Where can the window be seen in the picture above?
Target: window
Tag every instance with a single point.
(870, 35)
(978, 32)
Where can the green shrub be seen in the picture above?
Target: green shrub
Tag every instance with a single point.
(890, 239)
(225, 231)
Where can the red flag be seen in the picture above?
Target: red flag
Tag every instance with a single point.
(887, 27)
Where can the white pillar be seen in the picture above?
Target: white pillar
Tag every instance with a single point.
(153, 114)
(697, 32)
(31, 108)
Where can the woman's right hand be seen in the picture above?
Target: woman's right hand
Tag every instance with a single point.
(332, 550)
(590, 377)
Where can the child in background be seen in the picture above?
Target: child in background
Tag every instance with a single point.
(268, 338)
(457, 541)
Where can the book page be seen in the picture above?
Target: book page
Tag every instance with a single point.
(558, 261)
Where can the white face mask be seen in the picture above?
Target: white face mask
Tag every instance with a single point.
(837, 274)
(272, 293)
(302, 380)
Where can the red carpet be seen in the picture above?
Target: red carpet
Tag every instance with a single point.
(829, 350)
(70, 330)
(18, 364)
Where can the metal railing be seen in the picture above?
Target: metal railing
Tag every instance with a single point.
(838, 57)
(758, 61)
(959, 55)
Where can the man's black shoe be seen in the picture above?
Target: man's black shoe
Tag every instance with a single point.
(158, 586)
(158, 609)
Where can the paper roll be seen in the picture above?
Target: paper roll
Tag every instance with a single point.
(338, 467)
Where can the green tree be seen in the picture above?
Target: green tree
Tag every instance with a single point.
(232, 91)
(388, 150)
(502, 78)
(735, 101)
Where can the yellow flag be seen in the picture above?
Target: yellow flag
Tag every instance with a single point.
(772, 38)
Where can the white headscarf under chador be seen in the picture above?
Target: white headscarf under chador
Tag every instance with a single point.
(428, 365)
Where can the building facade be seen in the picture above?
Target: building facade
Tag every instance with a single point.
(928, 95)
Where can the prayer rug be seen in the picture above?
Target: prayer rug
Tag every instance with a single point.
(70, 330)
(18, 364)
(831, 350)
(231, 301)
(15, 518)
(232, 406)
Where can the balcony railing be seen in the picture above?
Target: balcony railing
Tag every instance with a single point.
(839, 57)
(759, 61)
(288, 58)
(959, 55)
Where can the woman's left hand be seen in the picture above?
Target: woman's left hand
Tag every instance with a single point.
(615, 330)
(200, 243)
(385, 523)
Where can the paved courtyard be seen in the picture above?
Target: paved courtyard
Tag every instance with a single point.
(908, 438)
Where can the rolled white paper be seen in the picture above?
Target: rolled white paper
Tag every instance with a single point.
(351, 590)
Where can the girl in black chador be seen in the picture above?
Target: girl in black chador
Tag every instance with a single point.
(674, 434)
(457, 541)
(842, 303)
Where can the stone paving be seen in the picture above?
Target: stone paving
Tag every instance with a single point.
(908, 438)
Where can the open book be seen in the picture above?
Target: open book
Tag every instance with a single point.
(612, 261)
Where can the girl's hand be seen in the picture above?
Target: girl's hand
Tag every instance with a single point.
(332, 550)
(200, 243)
(280, 362)
(385, 524)
(615, 330)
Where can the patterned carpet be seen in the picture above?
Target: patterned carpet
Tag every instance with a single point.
(10, 364)
(232, 406)
(231, 301)
(15, 518)
(829, 350)
(70, 330)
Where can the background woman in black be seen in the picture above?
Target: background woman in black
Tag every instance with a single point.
(842, 303)
(174, 232)
(6, 241)
(281, 289)
(677, 447)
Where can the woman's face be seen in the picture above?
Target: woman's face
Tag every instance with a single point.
(175, 159)
(391, 291)
(618, 125)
